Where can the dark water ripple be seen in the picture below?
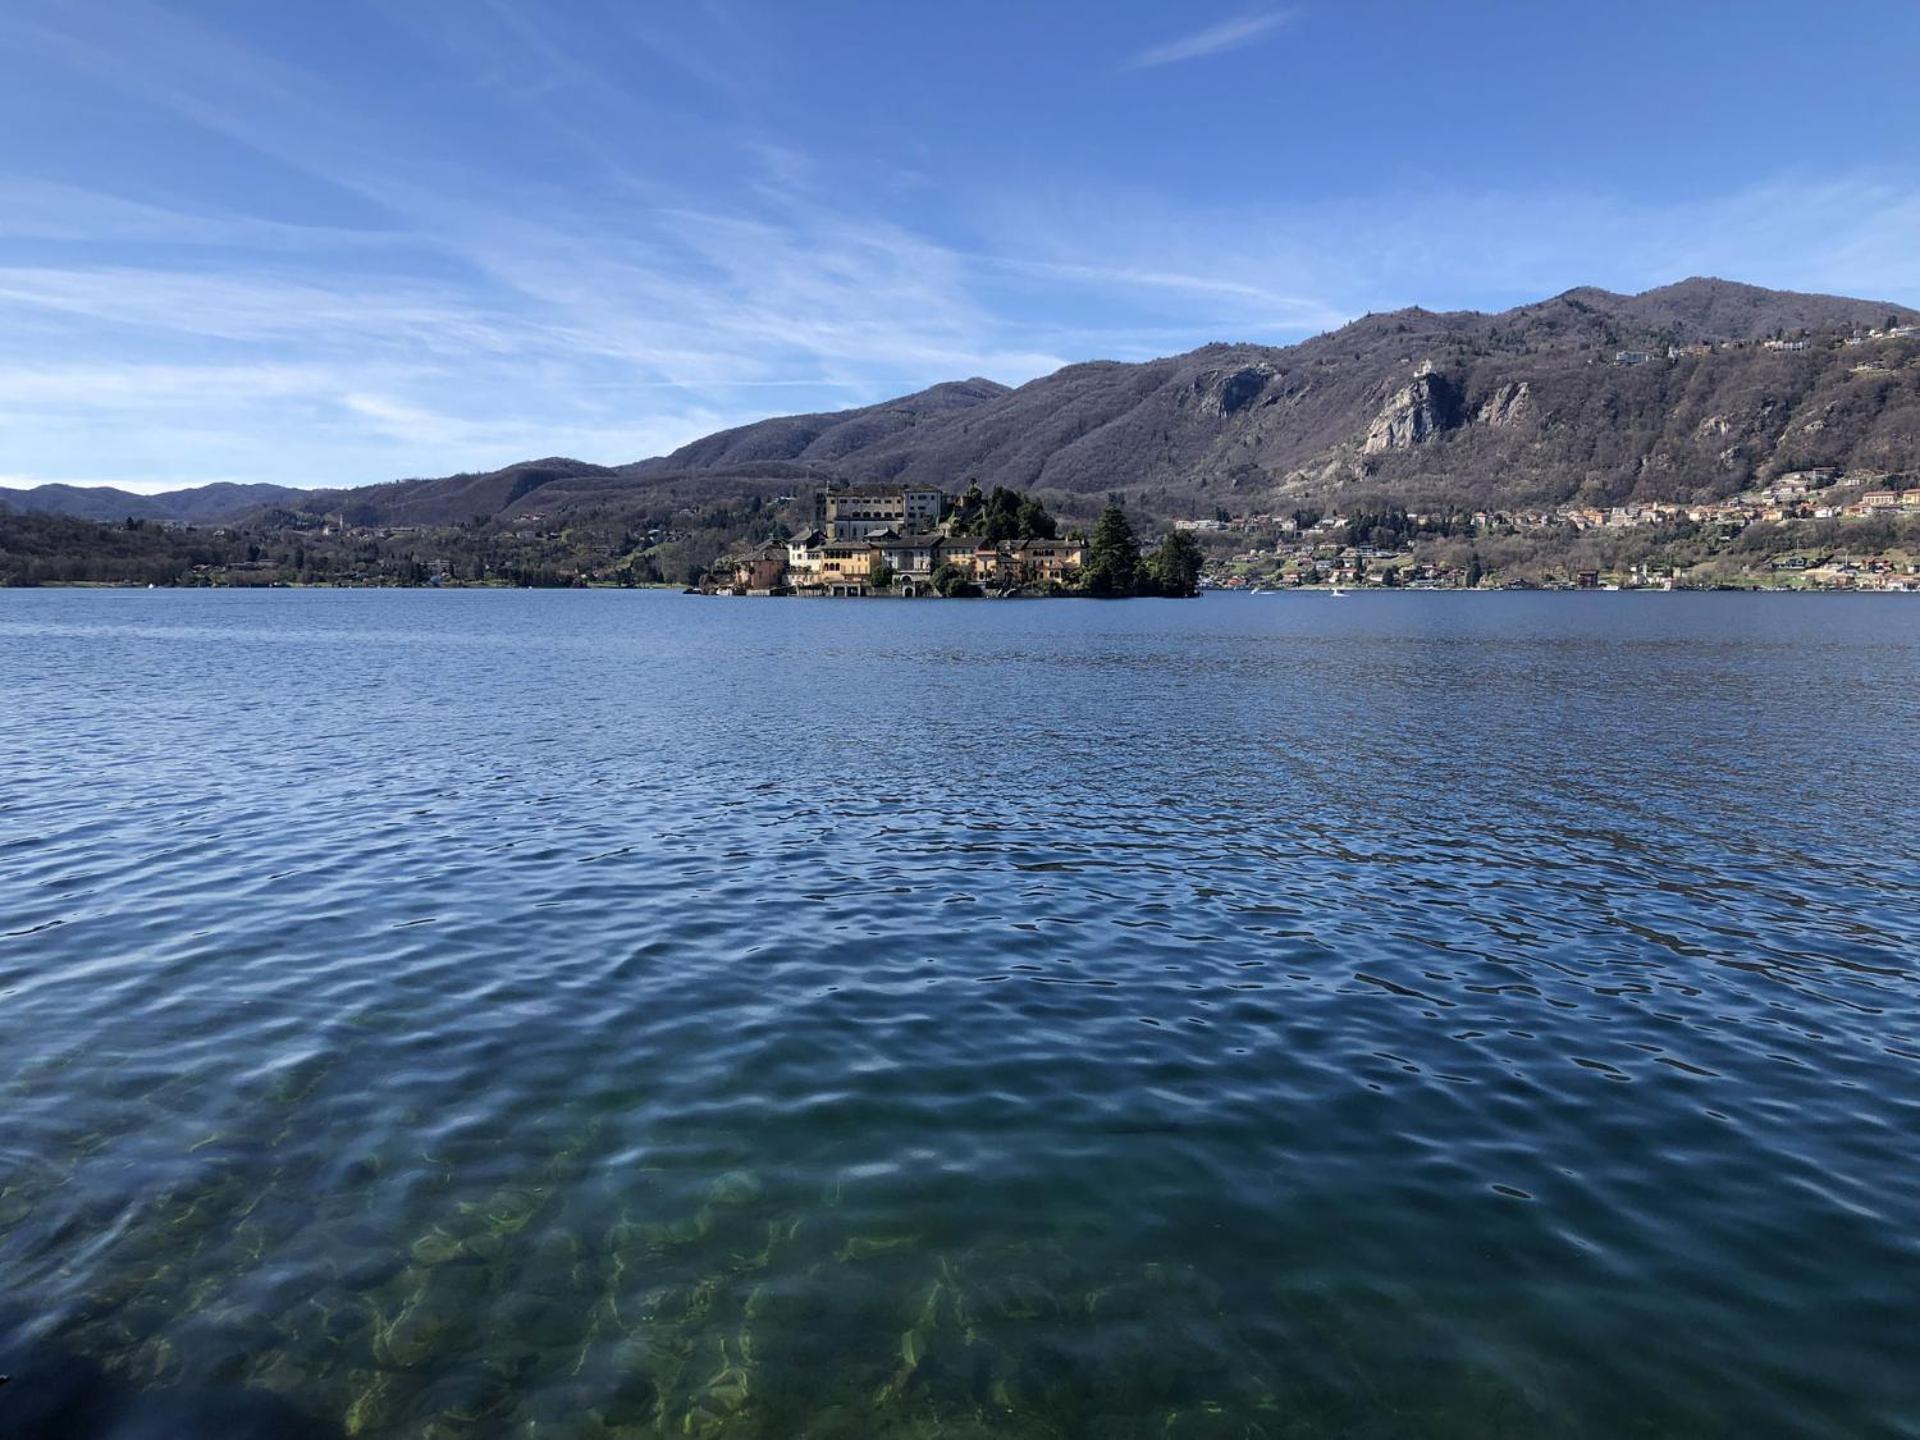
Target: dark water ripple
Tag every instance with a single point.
(618, 1014)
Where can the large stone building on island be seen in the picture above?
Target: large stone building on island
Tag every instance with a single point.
(858, 511)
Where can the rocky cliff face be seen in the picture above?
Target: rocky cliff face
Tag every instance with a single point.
(1415, 414)
(1509, 405)
(1226, 392)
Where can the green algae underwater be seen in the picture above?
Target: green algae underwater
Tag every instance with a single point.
(743, 1317)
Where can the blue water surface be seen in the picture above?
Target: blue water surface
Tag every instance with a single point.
(607, 1014)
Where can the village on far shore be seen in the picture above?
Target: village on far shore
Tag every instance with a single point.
(913, 541)
(1819, 529)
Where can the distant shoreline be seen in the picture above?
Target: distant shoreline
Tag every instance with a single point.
(1323, 591)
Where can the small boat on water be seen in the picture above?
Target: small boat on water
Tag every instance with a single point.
(1337, 592)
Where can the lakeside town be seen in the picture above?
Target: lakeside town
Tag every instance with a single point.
(1801, 531)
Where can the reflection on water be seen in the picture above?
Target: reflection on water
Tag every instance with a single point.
(617, 1015)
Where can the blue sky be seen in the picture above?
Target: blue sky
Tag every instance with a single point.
(342, 243)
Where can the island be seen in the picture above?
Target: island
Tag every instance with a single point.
(913, 541)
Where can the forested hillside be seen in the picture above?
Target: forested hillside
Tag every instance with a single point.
(1695, 390)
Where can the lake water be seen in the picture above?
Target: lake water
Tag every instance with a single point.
(617, 1014)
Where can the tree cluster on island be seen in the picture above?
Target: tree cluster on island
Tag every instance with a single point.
(1114, 567)
(1002, 516)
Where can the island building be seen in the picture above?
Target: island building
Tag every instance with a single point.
(761, 568)
(846, 566)
(857, 511)
(902, 534)
(804, 552)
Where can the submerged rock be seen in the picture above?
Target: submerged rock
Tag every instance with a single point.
(1015, 1297)
(717, 1402)
(736, 1187)
(509, 1208)
(436, 1247)
(441, 1315)
(673, 1235)
(375, 1402)
(545, 1322)
(635, 1401)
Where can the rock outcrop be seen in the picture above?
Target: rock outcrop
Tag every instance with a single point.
(1507, 406)
(1225, 392)
(1415, 414)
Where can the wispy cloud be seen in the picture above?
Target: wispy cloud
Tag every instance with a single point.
(1215, 39)
(1276, 272)
(616, 276)
(317, 314)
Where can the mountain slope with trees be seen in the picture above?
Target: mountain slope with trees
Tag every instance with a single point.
(1529, 406)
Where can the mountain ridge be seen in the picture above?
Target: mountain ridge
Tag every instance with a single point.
(1526, 404)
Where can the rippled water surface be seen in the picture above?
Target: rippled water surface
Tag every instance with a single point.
(625, 1014)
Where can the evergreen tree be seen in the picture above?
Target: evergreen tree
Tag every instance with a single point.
(1000, 517)
(1174, 569)
(1033, 522)
(1113, 555)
